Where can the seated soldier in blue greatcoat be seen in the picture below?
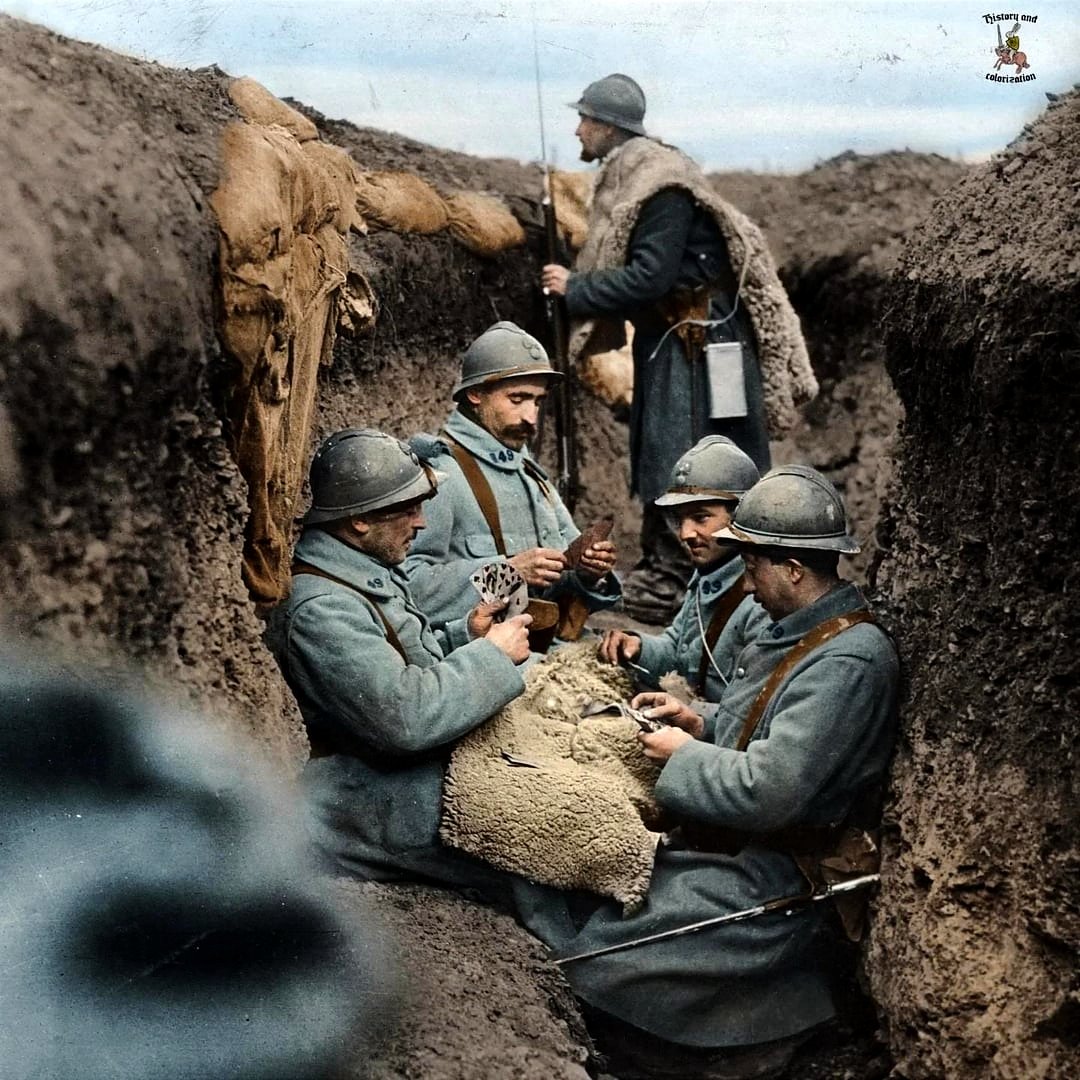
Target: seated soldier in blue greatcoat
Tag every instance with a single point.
(789, 761)
(496, 502)
(382, 695)
(717, 616)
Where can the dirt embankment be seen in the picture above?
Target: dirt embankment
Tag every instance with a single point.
(132, 511)
(974, 947)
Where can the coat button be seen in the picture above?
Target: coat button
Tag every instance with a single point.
(777, 631)
(740, 673)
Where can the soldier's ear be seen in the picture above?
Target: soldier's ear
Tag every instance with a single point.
(358, 526)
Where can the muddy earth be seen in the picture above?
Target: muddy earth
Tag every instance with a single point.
(945, 338)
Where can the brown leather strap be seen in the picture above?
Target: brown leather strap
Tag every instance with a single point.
(725, 608)
(391, 634)
(481, 489)
(822, 633)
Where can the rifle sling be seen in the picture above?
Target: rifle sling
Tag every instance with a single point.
(391, 635)
(481, 489)
(822, 633)
(725, 608)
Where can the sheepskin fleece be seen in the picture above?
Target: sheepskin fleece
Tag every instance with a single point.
(631, 175)
(577, 821)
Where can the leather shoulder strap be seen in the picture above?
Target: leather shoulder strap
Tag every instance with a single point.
(822, 633)
(391, 634)
(725, 608)
(481, 489)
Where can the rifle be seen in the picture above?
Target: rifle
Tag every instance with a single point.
(567, 480)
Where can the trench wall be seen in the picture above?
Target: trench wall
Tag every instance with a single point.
(973, 954)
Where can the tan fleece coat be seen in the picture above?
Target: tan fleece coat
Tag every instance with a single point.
(628, 177)
(575, 821)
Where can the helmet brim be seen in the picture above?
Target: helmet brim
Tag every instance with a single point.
(844, 544)
(681, 498)
(422, 486)
(582, 108)
(502, 376)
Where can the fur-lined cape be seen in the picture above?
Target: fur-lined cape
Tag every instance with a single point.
(631, 175)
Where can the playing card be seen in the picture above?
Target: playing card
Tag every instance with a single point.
(597, 531)
(501, 581)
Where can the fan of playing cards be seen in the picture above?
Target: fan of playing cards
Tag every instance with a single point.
(501, 581)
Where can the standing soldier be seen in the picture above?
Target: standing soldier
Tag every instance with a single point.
(496, 503)
(687, 269)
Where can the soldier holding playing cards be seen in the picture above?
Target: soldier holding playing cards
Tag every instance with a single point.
(383, 696)
(497, 504)
(717, 617)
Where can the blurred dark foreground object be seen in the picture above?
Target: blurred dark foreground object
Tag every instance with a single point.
(158, 915)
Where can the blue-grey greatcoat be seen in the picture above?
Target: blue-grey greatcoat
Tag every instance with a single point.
(825, 737)
(374, 805)
(675, 244)
(457, 540)
(679, 647)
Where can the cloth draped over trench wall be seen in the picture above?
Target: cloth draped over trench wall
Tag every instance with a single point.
(286, 206)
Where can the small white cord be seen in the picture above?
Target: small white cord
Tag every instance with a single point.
(701, 626)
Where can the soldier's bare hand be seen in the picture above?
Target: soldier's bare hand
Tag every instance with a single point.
(660, 745)
(554, 278)
(657, 705)
(597, 560)
(618, 645)
(482, 617)
(512, 637)
(540, 567)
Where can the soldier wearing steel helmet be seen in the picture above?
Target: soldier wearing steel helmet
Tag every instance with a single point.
(783, 772)
(716, 616)
(656, 256)
(383, 695)
(496, 502)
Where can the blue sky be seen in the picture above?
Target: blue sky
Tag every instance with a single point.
(758, 85)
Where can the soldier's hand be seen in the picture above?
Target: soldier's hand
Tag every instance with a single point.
(657, 705)
(660, 745)
(597, 560)
(618, 645)
(482, 617)
(540, 567)
(554, 278)
(512, 637)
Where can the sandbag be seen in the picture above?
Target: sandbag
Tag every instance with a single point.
(579, 819)
(483, 223)
(400, 201)
(343, 174)
(258, 106)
